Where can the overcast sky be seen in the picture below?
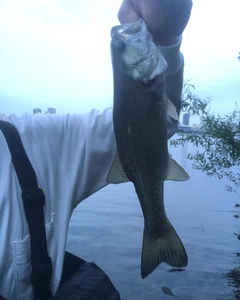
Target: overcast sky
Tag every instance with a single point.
(56, 53)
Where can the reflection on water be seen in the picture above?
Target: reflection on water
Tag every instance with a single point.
(233, 278)
(180, 154)
(106, 228)
(184, 153)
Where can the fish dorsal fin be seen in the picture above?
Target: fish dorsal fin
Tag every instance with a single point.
(116, 173)
(171, 110)
(175, 172)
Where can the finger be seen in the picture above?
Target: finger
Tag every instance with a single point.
(152, 13)
(126, 13)
(166, 18)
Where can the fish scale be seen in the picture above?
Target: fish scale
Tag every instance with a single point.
(140, 124)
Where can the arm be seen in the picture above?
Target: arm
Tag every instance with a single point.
(166, 20)
(71, 154)
(174, 79)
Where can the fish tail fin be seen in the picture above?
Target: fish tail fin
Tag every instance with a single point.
(166, 247)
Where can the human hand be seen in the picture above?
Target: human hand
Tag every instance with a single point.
(165, 19)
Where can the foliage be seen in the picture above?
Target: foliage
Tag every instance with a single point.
(218, 143)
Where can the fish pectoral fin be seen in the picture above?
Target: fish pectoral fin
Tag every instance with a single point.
(167, 247)
(169, 119)
(175, 172)
(116, 173)
(171, 110)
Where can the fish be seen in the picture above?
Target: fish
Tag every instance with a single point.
(141, 110)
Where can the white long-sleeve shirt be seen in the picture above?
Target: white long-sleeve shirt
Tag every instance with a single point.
(71, 156)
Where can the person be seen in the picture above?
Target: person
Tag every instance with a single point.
(166, 20)
(72, 155)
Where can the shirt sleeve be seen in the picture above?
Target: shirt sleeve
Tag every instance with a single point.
(174, 79)
(71, 154)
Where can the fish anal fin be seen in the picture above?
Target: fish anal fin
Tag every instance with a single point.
(166, 248)
(175, 172)
(116, 173)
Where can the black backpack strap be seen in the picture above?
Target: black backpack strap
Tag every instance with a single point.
(33, 201)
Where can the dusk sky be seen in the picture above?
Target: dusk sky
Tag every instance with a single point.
(56, 53)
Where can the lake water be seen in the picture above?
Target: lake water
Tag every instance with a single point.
(107, 228)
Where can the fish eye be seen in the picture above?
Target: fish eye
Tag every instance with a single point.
(118, 43)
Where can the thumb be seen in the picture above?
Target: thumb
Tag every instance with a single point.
(126, 13)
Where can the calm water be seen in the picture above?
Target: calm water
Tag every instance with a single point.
(107, 228)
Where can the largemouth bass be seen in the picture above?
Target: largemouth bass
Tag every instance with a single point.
(140, 113)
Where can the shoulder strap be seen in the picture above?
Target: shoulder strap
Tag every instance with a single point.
(33, 201)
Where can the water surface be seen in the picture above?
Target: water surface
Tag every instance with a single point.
(107, 228)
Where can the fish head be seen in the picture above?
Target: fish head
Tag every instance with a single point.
(133, 47)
